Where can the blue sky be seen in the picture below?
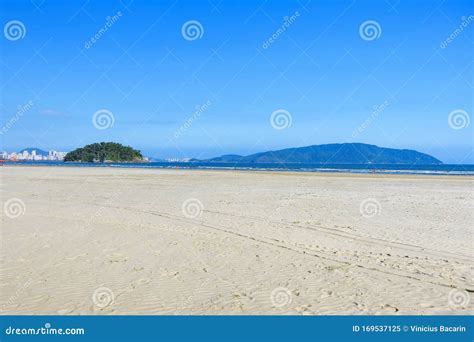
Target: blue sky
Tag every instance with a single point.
(337, 82)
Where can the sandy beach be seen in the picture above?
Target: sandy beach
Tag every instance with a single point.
(149, 241)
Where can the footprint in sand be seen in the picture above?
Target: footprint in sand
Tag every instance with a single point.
(143, 281)
(326, 294)
(75, 257)
(139, 282)
(117, 257)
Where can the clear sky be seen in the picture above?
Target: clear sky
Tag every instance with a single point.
(378, 72)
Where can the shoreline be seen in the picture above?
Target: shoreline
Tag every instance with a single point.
(330, 172)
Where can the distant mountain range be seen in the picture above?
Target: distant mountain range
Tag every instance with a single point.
(347, 153)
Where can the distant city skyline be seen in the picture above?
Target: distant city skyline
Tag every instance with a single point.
(192, 79)
(34, 155)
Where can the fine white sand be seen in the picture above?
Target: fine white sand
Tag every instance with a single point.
(135, 241)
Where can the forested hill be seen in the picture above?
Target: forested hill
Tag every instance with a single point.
(104, 152)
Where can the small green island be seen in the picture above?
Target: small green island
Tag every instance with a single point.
(104, 152)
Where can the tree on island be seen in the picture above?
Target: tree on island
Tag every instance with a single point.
(103, 152)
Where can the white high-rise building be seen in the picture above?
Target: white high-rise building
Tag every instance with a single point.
(34, 155)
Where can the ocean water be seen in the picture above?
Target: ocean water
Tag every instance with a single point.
(445, 169)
